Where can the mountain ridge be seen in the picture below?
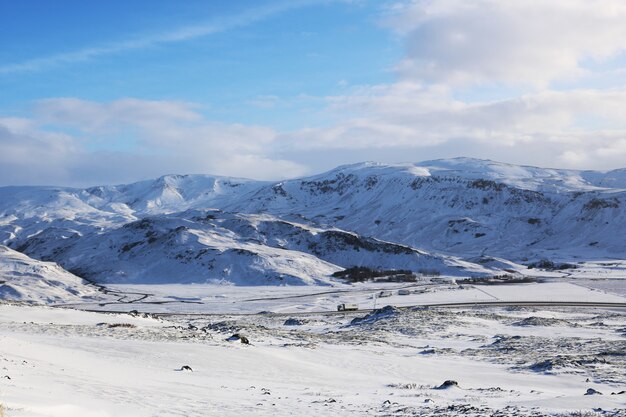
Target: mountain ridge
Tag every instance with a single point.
(453, 210)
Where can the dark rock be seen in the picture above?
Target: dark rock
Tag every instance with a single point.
(222, 327)
(239, 337)
(539, 321)
(186, 368)
(293, 322)
(566, 361)
(543, 366)
(374, 316)
(591, 391)
(448, 384)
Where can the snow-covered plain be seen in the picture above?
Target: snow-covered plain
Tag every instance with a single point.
(229, 299)
(515, 362)
(508, 360)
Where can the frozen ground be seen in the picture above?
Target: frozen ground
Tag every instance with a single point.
(507, 361)
(606, 269)
(220, 299)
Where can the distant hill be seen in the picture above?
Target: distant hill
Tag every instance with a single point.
(453, 216)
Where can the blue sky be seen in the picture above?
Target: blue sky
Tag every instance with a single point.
(272, 50)
(118, 91)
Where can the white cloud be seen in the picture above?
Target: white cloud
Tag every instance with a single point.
(160, 137)
(79, 142)
(454, 50)
(29, 156)
(531, 42)
(93, 116)
(576, 129)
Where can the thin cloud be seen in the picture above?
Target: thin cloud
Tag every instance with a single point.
(178, 35)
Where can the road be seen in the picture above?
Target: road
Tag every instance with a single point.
(486, 304)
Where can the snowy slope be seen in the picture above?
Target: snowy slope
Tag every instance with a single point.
(436, 211)
(169, 193)
(527, 177)
(213, 246)
(458, 207)
(27, 280)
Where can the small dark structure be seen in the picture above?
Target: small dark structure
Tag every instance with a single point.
(347, 307)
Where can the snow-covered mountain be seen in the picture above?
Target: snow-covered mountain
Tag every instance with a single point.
(444, 215)
(462, 207)
(215, 246)
(27, 280)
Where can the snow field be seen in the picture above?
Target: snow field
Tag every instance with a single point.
(79, 368)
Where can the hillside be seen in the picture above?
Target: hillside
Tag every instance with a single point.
(214, 246)
(23, 279)
(446, 215)
(462, 207)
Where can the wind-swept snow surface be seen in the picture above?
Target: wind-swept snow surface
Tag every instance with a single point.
(23, 279)
(504, 362)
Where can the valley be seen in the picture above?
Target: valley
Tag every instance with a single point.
(473, 288)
